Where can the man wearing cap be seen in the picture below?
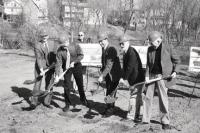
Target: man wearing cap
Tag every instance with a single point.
(111, 69)
(132, 74)
(162, 61)
(69, 57)
(45, 57)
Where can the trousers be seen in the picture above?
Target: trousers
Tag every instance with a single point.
(163, 100)
(136, 103)
(78, 76)
(49, 77)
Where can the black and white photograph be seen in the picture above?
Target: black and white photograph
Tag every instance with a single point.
(99, 66)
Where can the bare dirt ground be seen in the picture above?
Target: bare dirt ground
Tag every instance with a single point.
(15, 117)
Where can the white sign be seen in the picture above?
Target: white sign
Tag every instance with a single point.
(194, 64)
(142, 51)
(92, 54)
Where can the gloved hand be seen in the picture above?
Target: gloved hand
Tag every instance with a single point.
(42, 72)
(71, 65)
(123, 82)
(126, 84)
(100, 79)
(56, 79)
(173, 75)
(147, 80)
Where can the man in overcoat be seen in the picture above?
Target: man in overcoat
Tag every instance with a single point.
(110, 71)
(162, 61)
(45, 57)
(132, 73)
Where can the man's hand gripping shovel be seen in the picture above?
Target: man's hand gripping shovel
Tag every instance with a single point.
(28, 82)
(134, 91)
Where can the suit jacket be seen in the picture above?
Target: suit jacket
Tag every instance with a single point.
(169, 61)
(132, 67)
(110, 64)
(45, 57)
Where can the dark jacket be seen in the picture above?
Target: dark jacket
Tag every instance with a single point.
(169, 61)
(110, 64)
(132, 67)
(76, 55)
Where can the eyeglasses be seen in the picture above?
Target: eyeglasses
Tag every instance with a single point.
(121, 44)
(80, 35)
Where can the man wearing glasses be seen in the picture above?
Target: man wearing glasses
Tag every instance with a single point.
(81, 37)
(132, 74)
(162, 61)
(111, 69)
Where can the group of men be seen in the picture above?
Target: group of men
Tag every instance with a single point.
(162, 61)
(66, 56)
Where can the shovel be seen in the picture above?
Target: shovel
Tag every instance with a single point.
(134, 91)
(28, 82)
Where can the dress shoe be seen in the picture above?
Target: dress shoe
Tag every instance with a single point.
(33, 102)
(32, 106)
(108, 112)
(138, 119)
(141, 123)
(166, 127)
(49, 106)
(66, 108)
(86, 103)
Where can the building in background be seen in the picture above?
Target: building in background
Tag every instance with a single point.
(80, 13)
(1, 9)
(12, 11)
(93, 16)
(18, 11)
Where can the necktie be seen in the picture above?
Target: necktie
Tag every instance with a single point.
(47, 47)
(103, 58)
(46, 51)
(68, 58)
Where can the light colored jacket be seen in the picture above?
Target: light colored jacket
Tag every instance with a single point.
(169, 61)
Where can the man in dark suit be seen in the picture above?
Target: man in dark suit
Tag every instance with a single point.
(45, 56)
(162, 61)
(111, 69)
(132, 74)
(74, 67)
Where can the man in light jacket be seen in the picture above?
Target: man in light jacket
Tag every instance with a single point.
(162, 61)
